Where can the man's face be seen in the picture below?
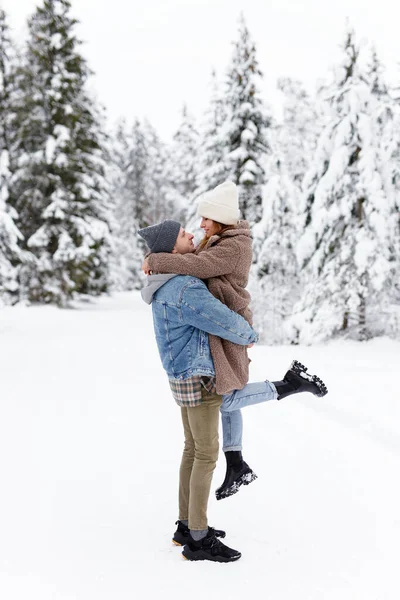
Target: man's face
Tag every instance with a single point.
(184, 242)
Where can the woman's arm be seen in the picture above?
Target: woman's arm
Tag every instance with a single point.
(200, 309)
(220, 259)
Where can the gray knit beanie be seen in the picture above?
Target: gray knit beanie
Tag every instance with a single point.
(161, 237)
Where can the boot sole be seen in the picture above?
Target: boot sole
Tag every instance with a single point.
(201, 555)
(244, 480)
(300, 369)
(176, 543)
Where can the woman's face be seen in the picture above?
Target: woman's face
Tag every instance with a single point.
(210, 227)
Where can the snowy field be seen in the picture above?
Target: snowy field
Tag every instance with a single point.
(90, 443)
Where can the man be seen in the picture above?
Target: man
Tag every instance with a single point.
(184, 312)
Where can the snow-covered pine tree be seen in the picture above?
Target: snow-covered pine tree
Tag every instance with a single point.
(146, 179)
(58, 187)
(246, 127)
(293, 143)
(165, 202)
(388, 119)
(143, 188)
(345, 251)
(127, 256)
(393, 325)
(214, 167)
(10, 253)
(137, 179)
(184, 153)
(299, 131)
(274, 283)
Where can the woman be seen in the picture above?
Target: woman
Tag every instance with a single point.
(223, 258)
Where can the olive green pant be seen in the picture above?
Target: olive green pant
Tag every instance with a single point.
(200, 453)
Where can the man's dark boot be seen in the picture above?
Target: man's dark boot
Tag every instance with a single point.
(181, 534)
(209, 548)
(297, 380)
(238, 473)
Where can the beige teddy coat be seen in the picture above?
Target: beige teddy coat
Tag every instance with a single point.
(224, 263)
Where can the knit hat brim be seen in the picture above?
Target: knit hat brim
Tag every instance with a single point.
(221, 204)
(161, 237)
(222, 214)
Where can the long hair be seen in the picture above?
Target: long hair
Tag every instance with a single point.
(221, 230)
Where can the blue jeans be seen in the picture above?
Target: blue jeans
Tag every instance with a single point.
(232, 422)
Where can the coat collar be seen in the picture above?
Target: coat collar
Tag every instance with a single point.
(242, 228)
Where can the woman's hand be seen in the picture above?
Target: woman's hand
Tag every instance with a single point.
(145, 267)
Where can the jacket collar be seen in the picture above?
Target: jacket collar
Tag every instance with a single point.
(242, 228)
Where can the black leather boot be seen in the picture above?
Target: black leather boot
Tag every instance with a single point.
(209, 548)
(298, 380)
(238, 473)
(182, 532)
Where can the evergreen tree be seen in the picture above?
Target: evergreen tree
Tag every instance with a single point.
(10, 253)
(147, 180)
(127, 257)
(184, 153)
(388, 119)
(213, 164)
(246, 126)
(345, 251)
(142, 184)
(274, 279)
(165, 201)
(6, 85)
(299, 131)
(138, 175)
(58, 187)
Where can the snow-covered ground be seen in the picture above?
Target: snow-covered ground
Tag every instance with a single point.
(90, 443)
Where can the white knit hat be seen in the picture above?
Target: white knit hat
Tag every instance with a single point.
(221, 204)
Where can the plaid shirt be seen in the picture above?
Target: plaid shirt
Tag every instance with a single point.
(187, 392)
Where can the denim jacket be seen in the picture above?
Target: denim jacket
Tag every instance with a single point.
(184, 312)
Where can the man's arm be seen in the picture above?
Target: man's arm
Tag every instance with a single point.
(200, 309)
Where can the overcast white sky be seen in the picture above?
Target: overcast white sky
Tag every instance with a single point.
(151, 56)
